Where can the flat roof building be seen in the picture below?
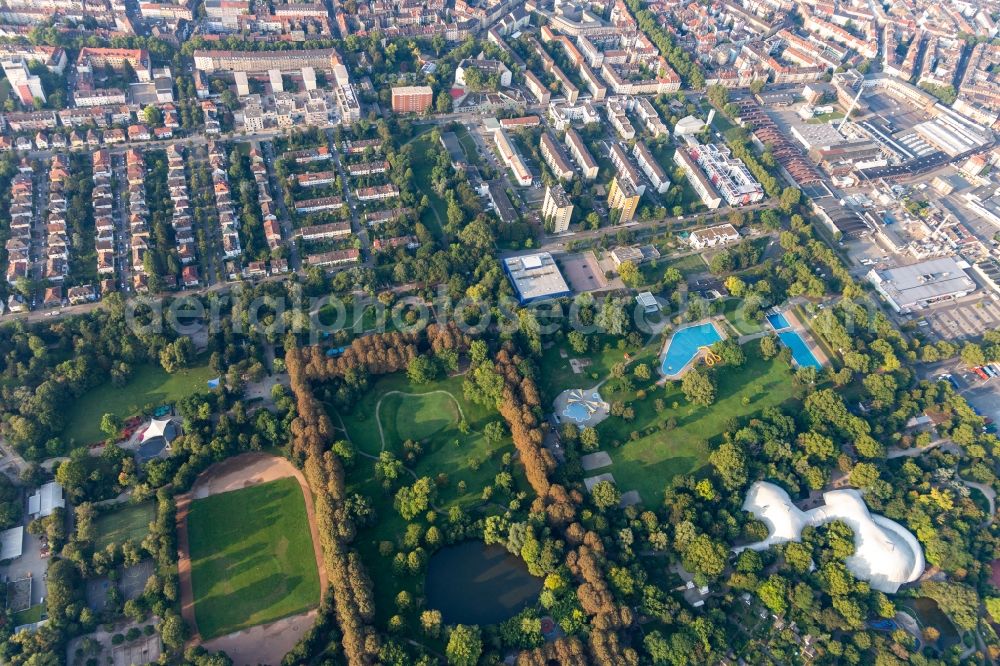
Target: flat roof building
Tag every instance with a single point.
(412, 99)
(580, 153)
(557, 208)
(45, 500)
(535, 277)
(921, 285)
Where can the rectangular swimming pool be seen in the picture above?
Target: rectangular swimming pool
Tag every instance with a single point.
(685, 345)
(801, 353)
(778, 321)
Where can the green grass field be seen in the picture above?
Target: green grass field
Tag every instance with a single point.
(130, 521)
(736, 317)
(150, 384)
(29, 615)
(649, 463)
(436, 215)
(690, 264)
(556, 374)
(252, 557)
(433, 419)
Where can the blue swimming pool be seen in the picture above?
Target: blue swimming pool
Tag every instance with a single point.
(577, 411)
(778, 321)
(684, 346)
(801, 353)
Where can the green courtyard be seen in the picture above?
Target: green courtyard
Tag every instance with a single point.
(252, 558)
(130, 521)
(150, 385)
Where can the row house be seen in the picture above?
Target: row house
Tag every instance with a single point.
(18, 245)
(377, 192)
(231, 246)
(325, 231)
(138, 218)
(272, 228)
(316, 179)
(56, 247)
(104, 221)
(182, 220)
(318, 205)
(368, 168)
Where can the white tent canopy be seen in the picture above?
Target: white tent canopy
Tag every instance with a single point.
(886, 554)
(164, 428)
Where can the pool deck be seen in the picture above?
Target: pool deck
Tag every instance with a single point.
(807, 337)
(717, 321)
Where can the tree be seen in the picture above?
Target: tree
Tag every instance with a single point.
(605, 495)
(774, 594)
(630, 274)
(705, 556)
(172, 630)
(972, 355)
(443, 103)
(768, 347)
(589, 439)
(465, 645)
(698, 388)
(421, 370)
(611, 316)
(730, 464)
(111, 425)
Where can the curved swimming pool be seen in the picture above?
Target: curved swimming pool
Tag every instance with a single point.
(684, 346)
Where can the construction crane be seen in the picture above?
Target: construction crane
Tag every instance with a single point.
(854, 103)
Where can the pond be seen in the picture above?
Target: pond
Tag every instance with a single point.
(473, 583)
(928, 614)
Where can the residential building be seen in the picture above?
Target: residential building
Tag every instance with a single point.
(557, 209)
(555, 157)
(412, 99)
(623, 197)
(716, 236)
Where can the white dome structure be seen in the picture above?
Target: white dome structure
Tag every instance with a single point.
(886, 554)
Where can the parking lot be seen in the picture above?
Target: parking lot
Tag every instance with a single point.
(962, 321)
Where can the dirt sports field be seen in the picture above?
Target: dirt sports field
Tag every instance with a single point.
(267, 643)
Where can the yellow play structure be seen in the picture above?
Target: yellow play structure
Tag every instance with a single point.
(711, 358)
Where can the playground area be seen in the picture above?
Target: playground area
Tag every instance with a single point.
(582, 407)
(688, 344)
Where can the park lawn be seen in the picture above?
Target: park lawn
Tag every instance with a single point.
(648, 464)
(556, 375)
(130, 521)
(731, 309)
(28, 615)
(422, 163)
(689, 264)
(462, 457)
(468, 145)
(252, 558)
(150, 385)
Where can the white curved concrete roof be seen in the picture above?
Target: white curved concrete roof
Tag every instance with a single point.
(886, 554)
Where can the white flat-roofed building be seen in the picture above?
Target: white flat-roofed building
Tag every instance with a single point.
(45, 500)
(657, 176)
(728, 175)
(720, 234)
(535, 277)
(511, 158)
(12, 543)
(696, 178)
(555, 157)
(580, 153)
(557, 208)
(921, 285)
